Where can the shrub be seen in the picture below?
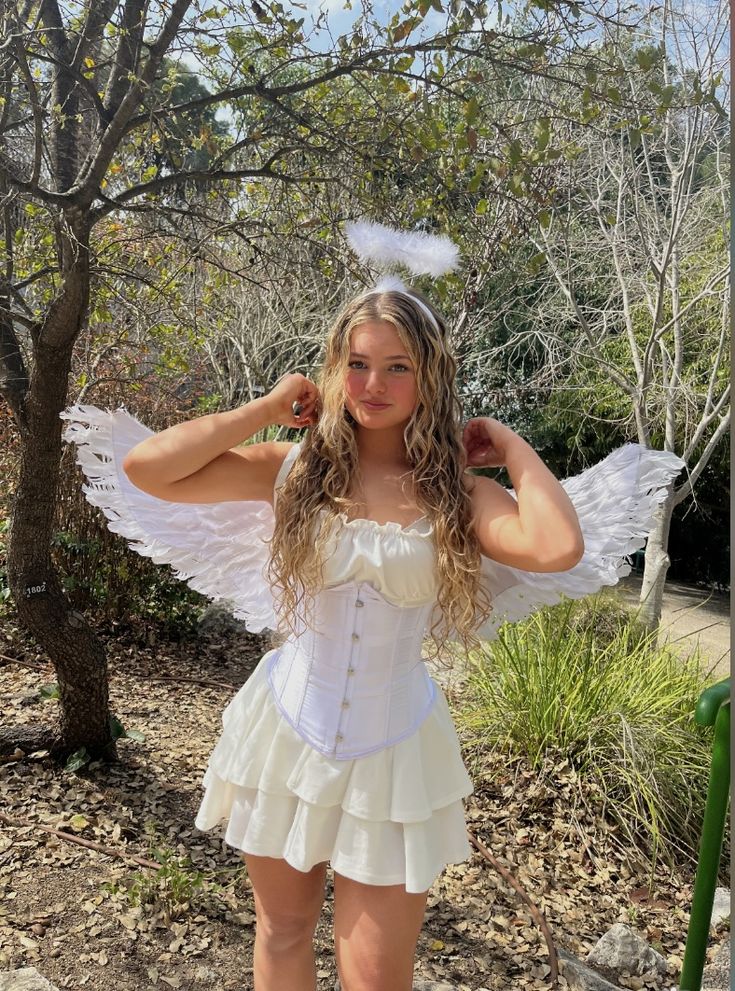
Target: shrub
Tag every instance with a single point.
(616, 705)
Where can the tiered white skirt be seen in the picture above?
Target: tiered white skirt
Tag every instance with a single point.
(392, 817)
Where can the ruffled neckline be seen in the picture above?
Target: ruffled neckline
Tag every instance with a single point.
(361, 523)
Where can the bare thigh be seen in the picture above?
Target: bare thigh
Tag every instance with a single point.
(288, 902)
(376, 928)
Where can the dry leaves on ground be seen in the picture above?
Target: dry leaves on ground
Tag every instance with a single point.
(90, 921)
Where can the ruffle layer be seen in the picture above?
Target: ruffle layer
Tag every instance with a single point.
(393, 817)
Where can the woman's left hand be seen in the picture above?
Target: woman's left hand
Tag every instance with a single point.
(485, 440)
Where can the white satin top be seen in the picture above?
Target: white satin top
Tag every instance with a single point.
(355, 681)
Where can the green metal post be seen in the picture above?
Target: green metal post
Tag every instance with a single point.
(713, 707)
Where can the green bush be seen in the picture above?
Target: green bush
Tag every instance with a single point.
(616, 705)
(117, 584)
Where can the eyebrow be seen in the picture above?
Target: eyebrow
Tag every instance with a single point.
(390, 357)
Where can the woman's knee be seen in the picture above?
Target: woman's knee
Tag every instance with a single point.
(282, 932)
(288, 903)
(376, 929)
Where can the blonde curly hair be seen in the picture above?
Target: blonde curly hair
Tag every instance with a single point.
(327, 468)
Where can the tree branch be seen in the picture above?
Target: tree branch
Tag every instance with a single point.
(719, 433)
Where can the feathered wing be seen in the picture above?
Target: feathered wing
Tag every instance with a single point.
(615, 501)
(219, 549)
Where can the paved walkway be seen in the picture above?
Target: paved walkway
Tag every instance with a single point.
(692, 615)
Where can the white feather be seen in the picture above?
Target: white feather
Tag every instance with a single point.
(390, 283)
(420, 253)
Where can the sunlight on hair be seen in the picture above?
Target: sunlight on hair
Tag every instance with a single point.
(327, 470)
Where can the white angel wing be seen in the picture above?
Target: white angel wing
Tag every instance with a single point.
(615, 501)
(219, 549)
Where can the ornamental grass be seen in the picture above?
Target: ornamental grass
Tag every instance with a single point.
(582, 684)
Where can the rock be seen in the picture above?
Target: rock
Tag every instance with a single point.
(27, 979)
(622, 951)
(579, 976)
(716, 976)
(218, 621)
(721, 907)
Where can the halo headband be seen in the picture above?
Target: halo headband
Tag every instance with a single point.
(419, 252)
(391, 283)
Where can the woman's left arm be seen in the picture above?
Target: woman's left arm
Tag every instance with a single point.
(539, 529)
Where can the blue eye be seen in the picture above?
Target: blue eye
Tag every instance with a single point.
(403, 368)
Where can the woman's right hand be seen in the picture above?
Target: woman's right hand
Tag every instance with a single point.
(289, 389)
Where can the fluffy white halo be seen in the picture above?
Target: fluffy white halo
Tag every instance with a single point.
(420, 253)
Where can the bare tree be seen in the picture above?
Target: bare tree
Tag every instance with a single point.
(634, 246)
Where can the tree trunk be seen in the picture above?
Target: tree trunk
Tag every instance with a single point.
(656, 564)
(43, 609)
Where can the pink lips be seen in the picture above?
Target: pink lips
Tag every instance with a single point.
(376, 405)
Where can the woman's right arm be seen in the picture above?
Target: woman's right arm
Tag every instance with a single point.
(199, 461)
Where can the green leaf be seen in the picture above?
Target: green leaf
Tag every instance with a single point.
(78, 823)
(515, 151)
(481, 207)
(404, 63)
(134, 734)
(536, 262)
(541, 133)
(116, 728)
(516, 184)
(471, 110)
(646, 58)
(49, 691)
(78, 759)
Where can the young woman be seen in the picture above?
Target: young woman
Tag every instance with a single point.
(340, 748)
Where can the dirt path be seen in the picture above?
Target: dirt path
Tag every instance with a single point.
(692, 615)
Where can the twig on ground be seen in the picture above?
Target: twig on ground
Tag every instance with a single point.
(536, 913)
(90, 844)
(25, 664)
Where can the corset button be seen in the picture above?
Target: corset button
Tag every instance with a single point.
(359, 603)
(345, 704)
(355, 636)
(350, 670)
(339, 737)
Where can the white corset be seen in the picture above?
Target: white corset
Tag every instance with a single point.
(356, 683)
